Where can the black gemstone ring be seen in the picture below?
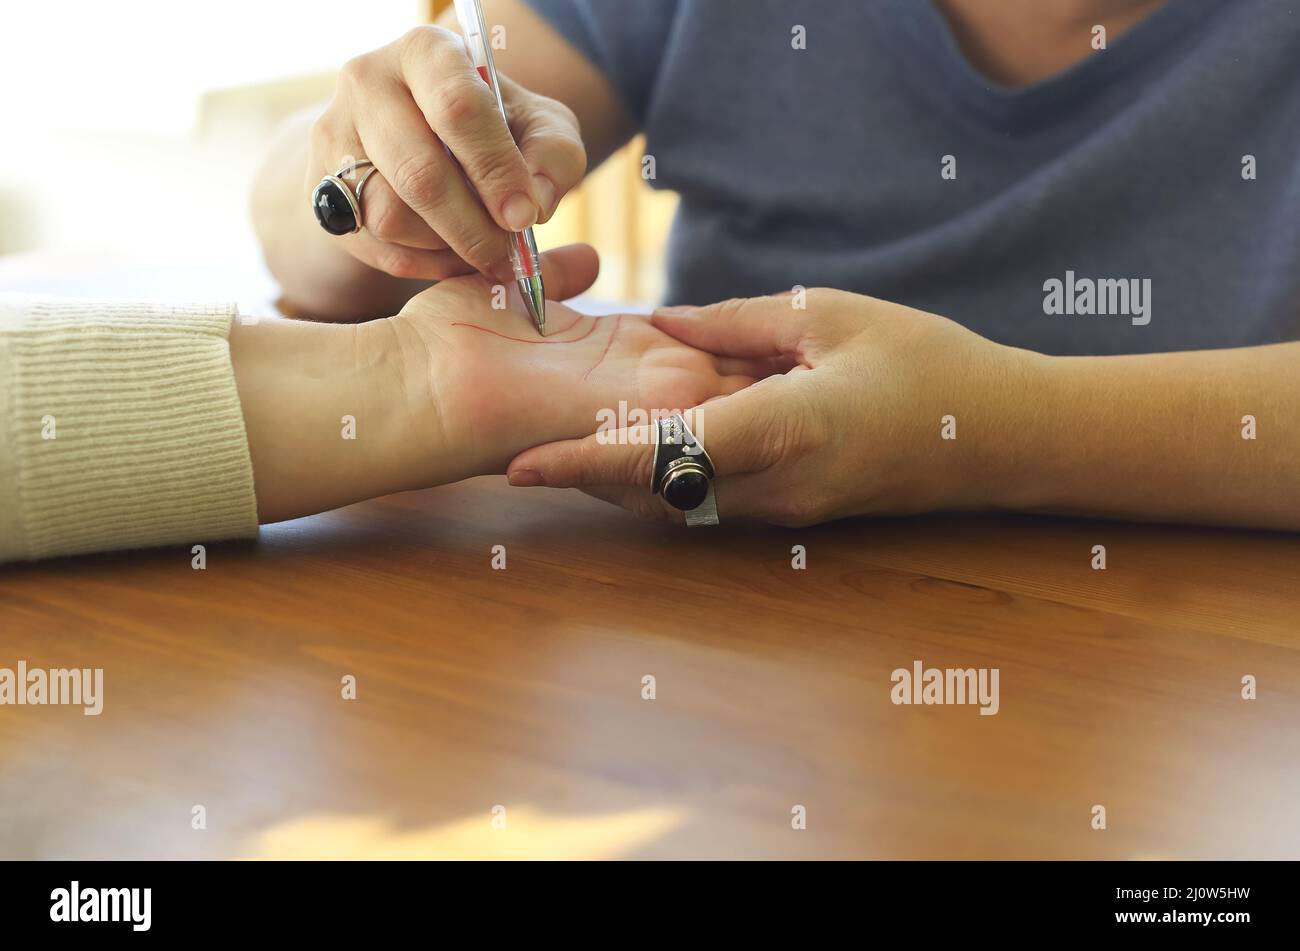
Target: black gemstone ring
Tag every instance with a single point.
(337, 210)
(683, 472)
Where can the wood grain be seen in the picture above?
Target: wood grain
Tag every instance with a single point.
(522, 688)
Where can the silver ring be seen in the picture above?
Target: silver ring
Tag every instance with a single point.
(353, 166)
(337, 210)
(360, 185)
(683, 472)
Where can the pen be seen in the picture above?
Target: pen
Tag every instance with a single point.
(523, 246)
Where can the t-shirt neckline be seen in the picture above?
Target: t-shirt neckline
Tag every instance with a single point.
(929, 34)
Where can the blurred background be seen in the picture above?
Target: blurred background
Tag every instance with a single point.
(133, 130)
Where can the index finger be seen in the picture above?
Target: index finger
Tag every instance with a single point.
(460, 107)
(415, 165)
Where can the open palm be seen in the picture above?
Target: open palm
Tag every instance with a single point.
(499, 388)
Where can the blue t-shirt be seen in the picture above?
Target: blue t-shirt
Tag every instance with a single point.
(1146, 199)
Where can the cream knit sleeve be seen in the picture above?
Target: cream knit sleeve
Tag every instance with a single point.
(120, 427)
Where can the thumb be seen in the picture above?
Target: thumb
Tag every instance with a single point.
(741, 433)
(569, 270)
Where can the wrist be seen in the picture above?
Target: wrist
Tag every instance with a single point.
(1017, 465)
(418, 386)
(320, 414)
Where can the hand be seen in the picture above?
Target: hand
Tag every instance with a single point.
(429, 214)
(848, 420)
(449, 388)
(484, 386)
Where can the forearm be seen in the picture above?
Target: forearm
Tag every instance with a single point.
(447, 390)
(325, 416)
(1160, 437)
(318, 277)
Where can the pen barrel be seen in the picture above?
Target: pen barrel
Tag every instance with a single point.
(524, 258)
(523, 254)
(469, 13)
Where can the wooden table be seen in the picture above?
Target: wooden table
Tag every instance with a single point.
(522, 688)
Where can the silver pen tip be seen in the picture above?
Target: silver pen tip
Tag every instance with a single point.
(534, 295)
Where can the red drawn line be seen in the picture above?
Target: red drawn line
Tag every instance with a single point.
(576, 318)
(609, 343)
(494, 333)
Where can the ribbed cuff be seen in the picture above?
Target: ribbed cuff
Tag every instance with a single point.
(123, 427)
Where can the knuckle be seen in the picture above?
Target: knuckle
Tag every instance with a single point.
(487, 154)
(569, 118)
(447, 54)
(496, 169)
(425, 41)
(398, 261)
(357, 72)
(319, 135)
(572, 155)
(324, 141)
(590, 462)
(459, 102)
(555, 124)
(640, 468)
(418, 180)
(793, 435)
(383, 216)
(731, 308)
(483, 249)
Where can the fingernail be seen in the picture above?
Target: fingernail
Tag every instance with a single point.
(545, 190)
(681, 310)
(519, 212)
(526, 478)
